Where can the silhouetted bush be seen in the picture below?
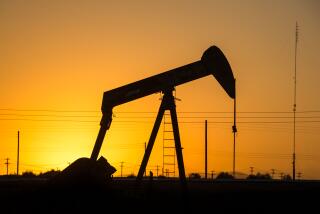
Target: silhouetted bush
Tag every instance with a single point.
(286, 178)
(49, 174)
(259, 176)
(131, 176)
(194, 176)
(224, 175)
(28, 174)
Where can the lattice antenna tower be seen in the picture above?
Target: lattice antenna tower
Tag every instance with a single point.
(295, 104)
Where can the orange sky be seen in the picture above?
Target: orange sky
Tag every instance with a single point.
(62, 55)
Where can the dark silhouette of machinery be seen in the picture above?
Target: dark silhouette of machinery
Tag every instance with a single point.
(212, 62)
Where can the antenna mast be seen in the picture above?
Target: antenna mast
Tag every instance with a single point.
(295, 106)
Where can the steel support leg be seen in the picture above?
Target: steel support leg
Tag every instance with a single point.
(177, 141)
(151, 141)
(104, 126)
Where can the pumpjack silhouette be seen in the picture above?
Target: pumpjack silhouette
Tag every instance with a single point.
(213, 62)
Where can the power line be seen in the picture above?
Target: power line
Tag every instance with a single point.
(45, 115)
(130, 112)
(139, 121)
(220, 117)
(45, 110)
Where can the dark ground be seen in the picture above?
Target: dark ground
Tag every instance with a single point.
(35, 195)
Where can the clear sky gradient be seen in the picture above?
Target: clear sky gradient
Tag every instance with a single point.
(60, 56)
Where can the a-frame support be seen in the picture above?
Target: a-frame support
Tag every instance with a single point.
(168, 103)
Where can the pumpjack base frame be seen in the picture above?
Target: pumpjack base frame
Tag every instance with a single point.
(168, 103)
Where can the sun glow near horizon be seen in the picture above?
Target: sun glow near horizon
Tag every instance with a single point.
(62, 56)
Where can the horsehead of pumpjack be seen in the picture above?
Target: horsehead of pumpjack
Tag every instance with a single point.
(212, 62)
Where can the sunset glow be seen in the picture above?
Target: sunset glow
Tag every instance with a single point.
(58, 57)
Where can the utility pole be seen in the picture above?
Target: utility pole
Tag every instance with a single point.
(299, 175)
(234, 130)
(145, 148)
(272, 173)
(18, 153)
(251, 170)
(121, 168)
(295, 107)
(212, 174)
(206, 150)
(7, 163)
(281, 175)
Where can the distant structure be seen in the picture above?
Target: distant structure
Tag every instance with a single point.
(272, 173)
(295, 106)
(145, 148)
(299, 175)
(234, 130)
(18, 155)
(206, 149)
(121, 165)
(212, 174)
(7, 163)
(251, 170)
(281, 175)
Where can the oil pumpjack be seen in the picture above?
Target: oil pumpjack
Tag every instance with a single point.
(213, 62)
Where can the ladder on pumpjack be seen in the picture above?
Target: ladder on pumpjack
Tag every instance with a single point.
(168, 148)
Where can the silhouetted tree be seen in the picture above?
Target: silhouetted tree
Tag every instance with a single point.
(131, 176)
(224, 175)
(28, 174)
(194, 176)
(260, 176)
(287, 177)
(49, 174)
